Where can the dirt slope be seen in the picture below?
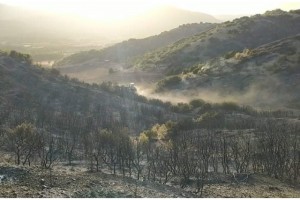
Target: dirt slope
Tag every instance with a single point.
(75, 181)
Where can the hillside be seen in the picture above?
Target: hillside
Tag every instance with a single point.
(245, 32)
(65, 138)
(111, 63)
(127, 50)
(264, 76)
(206, 41)
(45, 98)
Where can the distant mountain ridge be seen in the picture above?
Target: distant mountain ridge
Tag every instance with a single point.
(45, 26)
(165, 18)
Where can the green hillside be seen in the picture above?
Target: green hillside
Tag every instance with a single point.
(265, 76)
(127, 50)
(236, 35)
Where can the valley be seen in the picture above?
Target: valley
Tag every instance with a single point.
(208, 109)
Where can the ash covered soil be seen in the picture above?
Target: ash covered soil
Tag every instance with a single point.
(77, 181)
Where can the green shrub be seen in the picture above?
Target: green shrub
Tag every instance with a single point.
(167, 83)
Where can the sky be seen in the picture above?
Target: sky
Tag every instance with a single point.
(120, 9)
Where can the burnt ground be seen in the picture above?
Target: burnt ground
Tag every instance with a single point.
(68, 181)
(76, 181)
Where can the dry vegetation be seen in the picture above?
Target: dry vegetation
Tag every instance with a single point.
(60, 137)
(77, 181)
(192, 150)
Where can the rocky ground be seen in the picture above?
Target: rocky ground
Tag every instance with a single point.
(76, 181)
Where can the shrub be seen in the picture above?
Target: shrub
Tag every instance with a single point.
(168, 82)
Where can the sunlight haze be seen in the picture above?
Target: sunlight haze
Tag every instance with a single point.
(112, 10)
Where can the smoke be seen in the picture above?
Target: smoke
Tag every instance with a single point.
(172, 96)
(267, 93)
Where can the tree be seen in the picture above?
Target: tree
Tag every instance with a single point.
(22, 57)
(51, 151)
(24, 141)
(70, 142)
(241, 152)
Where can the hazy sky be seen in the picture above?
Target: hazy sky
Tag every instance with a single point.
(120, 9)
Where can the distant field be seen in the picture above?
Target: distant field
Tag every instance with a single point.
(46, 53)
